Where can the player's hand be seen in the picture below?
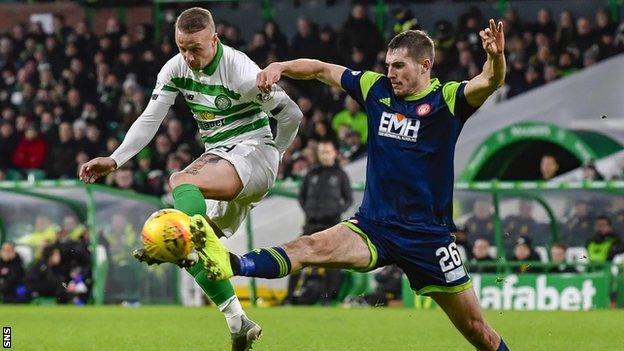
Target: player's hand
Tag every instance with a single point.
(493, 38)
(268, 76)
(96, 168)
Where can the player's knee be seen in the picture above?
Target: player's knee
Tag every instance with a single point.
(178, 178)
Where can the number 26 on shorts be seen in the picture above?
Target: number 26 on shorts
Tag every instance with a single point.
(449, 257)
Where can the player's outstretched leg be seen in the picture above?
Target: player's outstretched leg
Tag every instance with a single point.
(336, 247)
(190, 200)
(464, 311)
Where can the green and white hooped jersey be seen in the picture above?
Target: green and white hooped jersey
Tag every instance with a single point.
(223, 97)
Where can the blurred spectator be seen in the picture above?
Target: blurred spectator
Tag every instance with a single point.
(605, 243)
(522, 224)
(306, 42)
(585, 36)
(566, 30)
(577, 229)
(61, 160)
(404, 20)
(162, 148)
(276, 39)
(44, 232)
(123, 178)
(8, 143)
(44, 278)
(557, 258)
(523, 251)
(324, 195)
(31, 150)
(232, 37)
(590, 172)
(481, 254)
(604, 25)
(11, 275)
(258, 50)
(545, 23)
(351, 118)
(616, 212)
(328, 44)
(481, 224)
(359, 31)
(175, 132)
(549, 167)
(73, 243)
(512, 23)
(325, 192)
(119, 239)
(144, 163)
(352, 147)
(92, 143)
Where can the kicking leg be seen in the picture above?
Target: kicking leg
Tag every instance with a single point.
(215, 178)
(336, 247)
(464, 311)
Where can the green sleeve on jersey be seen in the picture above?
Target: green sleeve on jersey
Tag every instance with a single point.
(169, 88)
(449, 92)
(367, 81)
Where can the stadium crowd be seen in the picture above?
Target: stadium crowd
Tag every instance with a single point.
(70, 95)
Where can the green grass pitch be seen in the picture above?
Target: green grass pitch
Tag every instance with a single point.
(298, 328)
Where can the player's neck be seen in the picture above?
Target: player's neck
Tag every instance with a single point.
(420, 86)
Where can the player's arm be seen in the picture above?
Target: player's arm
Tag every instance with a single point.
(274, 102)
(140, 133)
(138, 136)
(479, 88)
(300, 69)
(288, 116)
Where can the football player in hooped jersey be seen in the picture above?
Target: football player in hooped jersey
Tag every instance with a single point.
(241, 160)
(406, 214)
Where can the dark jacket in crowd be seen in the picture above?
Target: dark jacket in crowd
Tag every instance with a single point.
(61, 160)
(11, 279)
(7, 148)
(324, 195)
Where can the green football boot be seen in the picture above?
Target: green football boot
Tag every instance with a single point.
(216, 257)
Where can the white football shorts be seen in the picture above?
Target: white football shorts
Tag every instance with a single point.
(257, 162)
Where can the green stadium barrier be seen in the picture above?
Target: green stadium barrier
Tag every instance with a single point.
(117, 276)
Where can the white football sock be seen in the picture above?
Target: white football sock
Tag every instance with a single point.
(233, 311)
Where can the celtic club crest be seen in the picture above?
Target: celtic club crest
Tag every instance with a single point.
(223, 102)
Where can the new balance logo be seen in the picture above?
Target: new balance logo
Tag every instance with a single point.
(385, 101)
(397, 126)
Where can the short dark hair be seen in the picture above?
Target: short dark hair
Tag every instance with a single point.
(604, 218)
(194, 20)
(559, 245)
(47, 252)
(329, 141)
(418, 44)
